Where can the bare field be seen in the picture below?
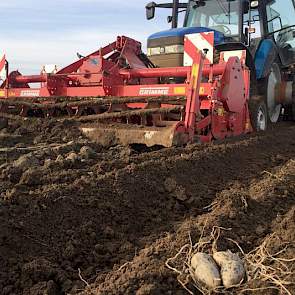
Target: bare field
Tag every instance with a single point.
(76, 218)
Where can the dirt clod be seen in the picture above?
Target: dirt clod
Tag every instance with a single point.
(73, 157)
(87, 152)
(3, 123)
(26, 161)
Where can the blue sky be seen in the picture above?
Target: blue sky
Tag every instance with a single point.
(38, 32)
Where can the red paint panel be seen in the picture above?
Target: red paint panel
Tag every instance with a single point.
(2, 63)
(209, 37)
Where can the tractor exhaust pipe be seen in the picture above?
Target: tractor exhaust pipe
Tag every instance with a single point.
(175, 14)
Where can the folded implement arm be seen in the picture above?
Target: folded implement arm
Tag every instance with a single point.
(130, 101)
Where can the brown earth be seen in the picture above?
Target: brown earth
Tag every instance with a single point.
(79, 218)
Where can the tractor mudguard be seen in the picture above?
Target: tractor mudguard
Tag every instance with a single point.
(239, 46)
(265, 56)
(269, 77)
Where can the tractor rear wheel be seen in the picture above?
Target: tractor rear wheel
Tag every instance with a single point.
(258, 114)
(270, 88)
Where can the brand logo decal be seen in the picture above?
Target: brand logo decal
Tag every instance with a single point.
(154, 91)
(28, 92)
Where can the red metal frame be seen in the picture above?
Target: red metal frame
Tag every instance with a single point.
(216, 95)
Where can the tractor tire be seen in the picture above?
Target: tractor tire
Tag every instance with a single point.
(269, 87)
(258, 114)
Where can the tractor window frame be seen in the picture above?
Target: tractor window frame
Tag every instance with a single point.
(250, 22)
(280, 36)
(279, 17)
(239, 34)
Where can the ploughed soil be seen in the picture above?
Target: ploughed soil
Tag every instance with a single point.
(77, 218)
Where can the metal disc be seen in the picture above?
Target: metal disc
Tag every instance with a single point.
(261, 120)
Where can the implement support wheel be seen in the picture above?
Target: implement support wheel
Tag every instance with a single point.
(258, 114)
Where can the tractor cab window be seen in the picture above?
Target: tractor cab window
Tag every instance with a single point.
(219, 15)
(281, 25)
(280, 14)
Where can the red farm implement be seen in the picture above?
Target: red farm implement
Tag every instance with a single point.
(118, 95)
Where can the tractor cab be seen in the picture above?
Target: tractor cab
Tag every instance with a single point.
(233, 21)
(264, 28)
(223, 17)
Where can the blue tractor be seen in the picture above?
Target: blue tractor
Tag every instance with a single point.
(264, 28)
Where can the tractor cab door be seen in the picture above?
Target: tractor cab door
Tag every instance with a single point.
(252, 26)
(280, 24)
